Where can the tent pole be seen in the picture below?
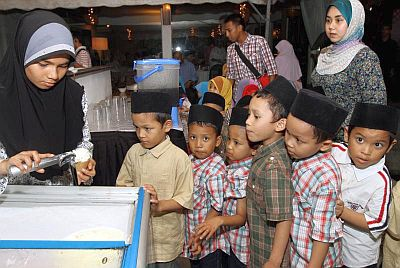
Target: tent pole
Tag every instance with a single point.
(268, 23)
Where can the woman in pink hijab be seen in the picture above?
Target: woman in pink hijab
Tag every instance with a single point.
(288, 64)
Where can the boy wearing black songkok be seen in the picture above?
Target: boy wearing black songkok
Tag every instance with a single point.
(366, 182)
(165, 172)
(313, 121)
(269, 190)
(209, 173)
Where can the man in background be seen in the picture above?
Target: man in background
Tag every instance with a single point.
(255, 48)
(187, 72)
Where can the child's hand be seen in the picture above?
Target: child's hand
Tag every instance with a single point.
(208, 228)
(339, 208)
(195, 244)
(153, 196)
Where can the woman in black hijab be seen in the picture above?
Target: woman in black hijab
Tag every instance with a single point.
(41, 109)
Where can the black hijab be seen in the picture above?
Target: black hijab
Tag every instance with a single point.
(49, 121)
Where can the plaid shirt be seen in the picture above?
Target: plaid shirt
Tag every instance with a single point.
(316, 182)
(235, 188)
(257, 51)
(208, 192)
(269, 200)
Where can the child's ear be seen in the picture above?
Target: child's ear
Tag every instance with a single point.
(346, 134)
(219, 140)
(326, 146)
(167, 125)
(394, 142)
(280, 125)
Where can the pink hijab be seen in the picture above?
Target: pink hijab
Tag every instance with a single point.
(287, 62)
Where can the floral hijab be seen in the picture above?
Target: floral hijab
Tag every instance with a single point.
(338, 56)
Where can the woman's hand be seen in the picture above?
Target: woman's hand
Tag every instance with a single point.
(85, 174)
(23, 158)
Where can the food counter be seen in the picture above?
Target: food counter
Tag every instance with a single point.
(95, 80)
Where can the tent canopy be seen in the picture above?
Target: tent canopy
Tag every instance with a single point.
(52, 4)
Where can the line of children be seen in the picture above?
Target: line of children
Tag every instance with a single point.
(300, 204)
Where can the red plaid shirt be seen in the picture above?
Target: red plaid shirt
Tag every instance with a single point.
(235, 187)
(208, 192)
(257, 51)
(316, 182)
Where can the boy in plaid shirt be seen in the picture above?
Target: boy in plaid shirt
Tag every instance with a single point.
(239, 152)
(311, 125)
(269, 190)
(209, 173)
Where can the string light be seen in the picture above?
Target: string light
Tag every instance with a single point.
(130, 34)
(91, 15)
(216, 31)
(244, 11)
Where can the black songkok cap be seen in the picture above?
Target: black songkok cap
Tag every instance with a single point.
(318, 111)
(283, 92)
(151, 102)
(201, 113)
(244, 101)
(211, 97)
(375, 116)
(239, 116)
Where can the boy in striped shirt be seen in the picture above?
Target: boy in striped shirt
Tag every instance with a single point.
(366, 182)
(313, 121)
(209, 173)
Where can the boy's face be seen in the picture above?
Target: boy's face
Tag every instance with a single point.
(202, 140)
(259, 124)
(149, 131)
(237, 146)
(300, 140)
(367, 146)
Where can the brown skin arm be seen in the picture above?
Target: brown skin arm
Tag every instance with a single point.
(318, 254)
(279, 245)
(161, 207)
(208, 228)
(351, 217)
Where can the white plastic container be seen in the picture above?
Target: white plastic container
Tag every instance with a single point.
(154, 74)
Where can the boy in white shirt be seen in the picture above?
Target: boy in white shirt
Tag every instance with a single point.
(366, 182)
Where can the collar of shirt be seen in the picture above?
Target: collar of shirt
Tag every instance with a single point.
(246, 41)
(201, 162)
(158, 150)
(266, 150)
(246, 162)
(312, 160)
(342, 158)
